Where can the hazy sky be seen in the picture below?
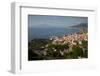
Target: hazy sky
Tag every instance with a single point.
(41, 21)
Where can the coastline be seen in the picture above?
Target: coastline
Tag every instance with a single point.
(72, 46)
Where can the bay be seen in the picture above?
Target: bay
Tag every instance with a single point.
(46, 33)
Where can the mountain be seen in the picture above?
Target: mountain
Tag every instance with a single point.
(80, 26)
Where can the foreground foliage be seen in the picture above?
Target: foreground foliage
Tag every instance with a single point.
(44, 49)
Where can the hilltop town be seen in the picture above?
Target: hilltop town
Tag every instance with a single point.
(72, 46)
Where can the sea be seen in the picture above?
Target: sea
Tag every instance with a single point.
(46, 33)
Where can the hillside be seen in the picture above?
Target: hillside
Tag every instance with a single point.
(81, 25)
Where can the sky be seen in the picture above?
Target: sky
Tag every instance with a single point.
(47, 21)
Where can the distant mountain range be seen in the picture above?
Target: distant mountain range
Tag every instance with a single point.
(81, 25)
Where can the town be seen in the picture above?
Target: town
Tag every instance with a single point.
(72, 46)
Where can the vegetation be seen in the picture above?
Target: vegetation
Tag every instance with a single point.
(44, 49)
